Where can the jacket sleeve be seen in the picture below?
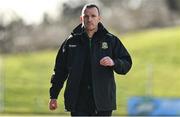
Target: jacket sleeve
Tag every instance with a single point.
(60, 72)
(121, 58)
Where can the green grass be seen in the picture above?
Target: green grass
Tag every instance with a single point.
(27, 82)
(27, 76)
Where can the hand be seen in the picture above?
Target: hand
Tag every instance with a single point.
(53, 104)
(106, 61)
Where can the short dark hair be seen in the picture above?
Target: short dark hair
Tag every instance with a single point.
(90, 5)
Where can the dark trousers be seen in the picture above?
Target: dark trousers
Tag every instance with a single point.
(98, 113)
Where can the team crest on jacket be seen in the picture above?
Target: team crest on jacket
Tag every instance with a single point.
(104, 45)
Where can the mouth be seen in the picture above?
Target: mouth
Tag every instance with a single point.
(89, 24)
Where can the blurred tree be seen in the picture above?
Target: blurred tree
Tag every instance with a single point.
(174, 4)
(118, 15)
(70, 13)
(2, 36)
(10, 32)
(46, 20)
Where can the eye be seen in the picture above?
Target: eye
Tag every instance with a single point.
(93, 16)
(85, 16)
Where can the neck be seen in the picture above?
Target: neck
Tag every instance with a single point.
(91, 32)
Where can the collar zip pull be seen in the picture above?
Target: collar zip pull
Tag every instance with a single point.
(90, 43)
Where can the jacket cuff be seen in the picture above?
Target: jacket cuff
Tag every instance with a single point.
(51, 97)
(54, 92)
(117, 63)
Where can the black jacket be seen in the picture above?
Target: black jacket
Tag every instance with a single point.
(69, 65)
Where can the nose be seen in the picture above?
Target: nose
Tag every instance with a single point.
(90, 18)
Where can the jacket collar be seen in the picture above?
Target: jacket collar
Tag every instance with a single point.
(80, 30)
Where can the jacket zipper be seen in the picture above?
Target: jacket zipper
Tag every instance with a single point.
(90, 46)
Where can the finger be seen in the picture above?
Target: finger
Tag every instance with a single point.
(105, 63)
(52, 106)
(103, 60)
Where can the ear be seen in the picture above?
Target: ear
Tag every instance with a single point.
(81, 19)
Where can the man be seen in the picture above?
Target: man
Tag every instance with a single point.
(87, 60)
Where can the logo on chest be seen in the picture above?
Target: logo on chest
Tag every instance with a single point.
(72, 46)
(104, 45)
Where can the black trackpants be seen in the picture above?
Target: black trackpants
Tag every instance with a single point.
(98, 113)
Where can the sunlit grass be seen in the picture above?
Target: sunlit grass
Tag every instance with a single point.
(27, 78)
(156, 52)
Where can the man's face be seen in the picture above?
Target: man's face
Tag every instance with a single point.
(90, 18)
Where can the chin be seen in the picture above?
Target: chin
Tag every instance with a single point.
(91, 29)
